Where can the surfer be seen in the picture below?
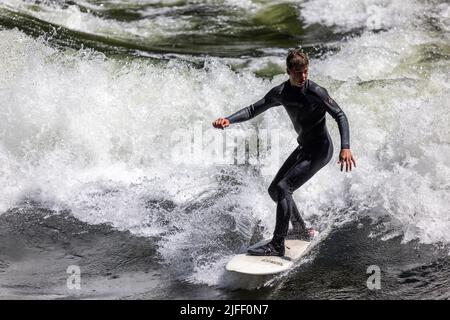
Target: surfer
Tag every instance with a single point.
(306, 104)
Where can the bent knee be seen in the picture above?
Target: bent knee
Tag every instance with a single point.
(273, 192)
(278, 191)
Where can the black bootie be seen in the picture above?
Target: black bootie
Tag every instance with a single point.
(274, 248)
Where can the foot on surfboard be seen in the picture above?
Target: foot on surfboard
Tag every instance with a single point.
(270, 249)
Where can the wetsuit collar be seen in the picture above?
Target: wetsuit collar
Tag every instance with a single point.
(302, 89)
(305, 86)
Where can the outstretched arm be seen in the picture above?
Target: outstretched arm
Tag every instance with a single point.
(270, 100)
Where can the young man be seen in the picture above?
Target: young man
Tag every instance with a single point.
(306, 103)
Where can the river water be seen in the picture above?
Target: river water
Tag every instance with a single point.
(97, 96)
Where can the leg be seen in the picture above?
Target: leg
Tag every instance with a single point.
(298, 224)
(286, 208)
(308, 164)
(296, 218)
(287, 165)
(290, 162)
(301, 165)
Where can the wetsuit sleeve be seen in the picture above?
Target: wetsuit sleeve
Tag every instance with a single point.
(336, 112)
(270, 100)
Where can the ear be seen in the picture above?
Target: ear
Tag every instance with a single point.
(287, 71)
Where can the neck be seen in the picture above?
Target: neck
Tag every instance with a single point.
(301, 88)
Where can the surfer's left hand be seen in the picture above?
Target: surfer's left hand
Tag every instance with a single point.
(346, 158)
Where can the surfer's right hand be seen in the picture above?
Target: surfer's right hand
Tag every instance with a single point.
(221, 123)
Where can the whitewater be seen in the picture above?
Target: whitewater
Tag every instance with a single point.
(95, 97)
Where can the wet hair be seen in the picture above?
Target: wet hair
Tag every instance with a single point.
(296, 59)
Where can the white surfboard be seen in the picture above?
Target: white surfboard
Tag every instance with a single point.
(266, 265)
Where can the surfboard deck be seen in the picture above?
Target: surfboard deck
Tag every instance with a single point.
(266, 265)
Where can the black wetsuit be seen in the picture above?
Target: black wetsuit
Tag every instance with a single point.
(306, 107)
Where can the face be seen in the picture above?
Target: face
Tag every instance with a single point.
(297, 77)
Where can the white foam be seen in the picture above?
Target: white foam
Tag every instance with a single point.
(83, 132)
(77, 124)
(73, 18)
(368, 14)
